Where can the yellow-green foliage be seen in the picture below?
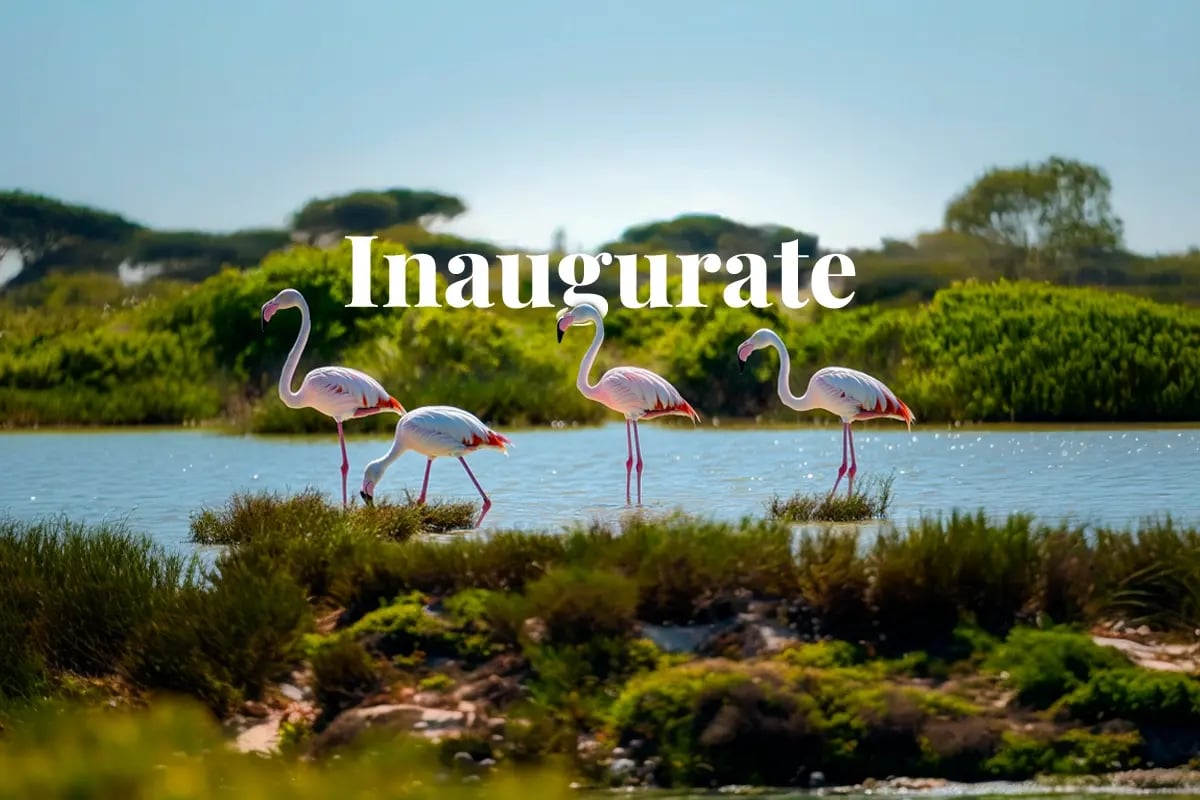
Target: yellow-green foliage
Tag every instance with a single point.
(1075, 752)
(1140, 696)
(724, 722)
(1044, 665)
(177, 752)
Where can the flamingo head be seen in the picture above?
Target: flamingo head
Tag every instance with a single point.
(582, 314)
(371, 475)
(288, 298)
(759, 339)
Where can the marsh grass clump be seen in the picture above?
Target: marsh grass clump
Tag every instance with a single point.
(100, 601)
(246, 516)
(74, 595)
(862, 505)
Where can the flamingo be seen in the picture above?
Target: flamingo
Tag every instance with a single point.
(632, 391)
(848, 393)
(435, 431)
(338, 392)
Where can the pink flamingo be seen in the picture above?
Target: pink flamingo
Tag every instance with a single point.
(435, 431)
(848, 393)
(338, 392)
(632, 391)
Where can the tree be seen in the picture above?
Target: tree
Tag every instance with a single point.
(48, 233)
(368, 211)
(1050, 214)
(194, 255)
(712, 233)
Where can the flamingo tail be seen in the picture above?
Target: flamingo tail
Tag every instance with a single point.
(682, 409)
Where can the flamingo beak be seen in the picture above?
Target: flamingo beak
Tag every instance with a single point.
(743, 353)
(370, 501)
(559, 331)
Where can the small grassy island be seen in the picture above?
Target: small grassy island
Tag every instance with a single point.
(377, 648)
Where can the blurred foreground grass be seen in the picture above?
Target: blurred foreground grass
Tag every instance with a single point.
(176, 750)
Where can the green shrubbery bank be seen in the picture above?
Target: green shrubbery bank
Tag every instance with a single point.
(82, 349)
(671, 651)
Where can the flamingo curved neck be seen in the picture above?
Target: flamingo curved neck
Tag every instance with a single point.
(802, 403)
(585, 366)
(290, 398)
(397, 449)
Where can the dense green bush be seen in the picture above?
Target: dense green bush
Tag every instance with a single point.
(1044, 665)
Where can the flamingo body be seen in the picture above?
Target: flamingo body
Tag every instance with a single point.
(852, 395)
(338, 392)
(344, 393)
(436, 432)
(636, 393)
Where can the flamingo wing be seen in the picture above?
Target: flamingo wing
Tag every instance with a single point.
(341, 392)
(860, 396)
(642, 394)
(449, 431)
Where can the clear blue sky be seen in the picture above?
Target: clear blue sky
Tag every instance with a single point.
(852, 120)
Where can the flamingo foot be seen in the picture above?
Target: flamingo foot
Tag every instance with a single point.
(840, 475)
(487, 504)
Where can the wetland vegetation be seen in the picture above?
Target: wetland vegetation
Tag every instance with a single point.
(666, 651)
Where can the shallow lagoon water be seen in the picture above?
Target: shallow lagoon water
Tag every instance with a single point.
(552, 478)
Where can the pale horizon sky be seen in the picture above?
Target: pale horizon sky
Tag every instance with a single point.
(852, 121)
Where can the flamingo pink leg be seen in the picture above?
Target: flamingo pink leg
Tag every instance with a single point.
(638, 444)
(628, 458)
(345, 463)
(487, 503)
(842, 469)
(425, 483)
(853, 461)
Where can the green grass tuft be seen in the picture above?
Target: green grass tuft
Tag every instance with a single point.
(860, 506)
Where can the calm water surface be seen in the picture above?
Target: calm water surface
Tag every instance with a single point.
(554, 477)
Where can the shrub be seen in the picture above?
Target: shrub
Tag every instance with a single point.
(343, 674)
(1143, 697)
(1044, 665)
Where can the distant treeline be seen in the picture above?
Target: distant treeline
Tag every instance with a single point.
(1048, 221)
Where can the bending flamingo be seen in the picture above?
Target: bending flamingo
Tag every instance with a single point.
(848, 393)
(338, 392)
(632, 391)
(435, 431)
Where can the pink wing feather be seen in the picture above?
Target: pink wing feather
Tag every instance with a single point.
(642, 394)
(341, 392)
(860, 396)
(449, 431)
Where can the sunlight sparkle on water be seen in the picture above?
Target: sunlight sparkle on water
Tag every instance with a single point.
(1125, 476)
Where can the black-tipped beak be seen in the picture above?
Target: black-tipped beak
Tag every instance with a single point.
(367, 498)
(741, 365)
(559, 331)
